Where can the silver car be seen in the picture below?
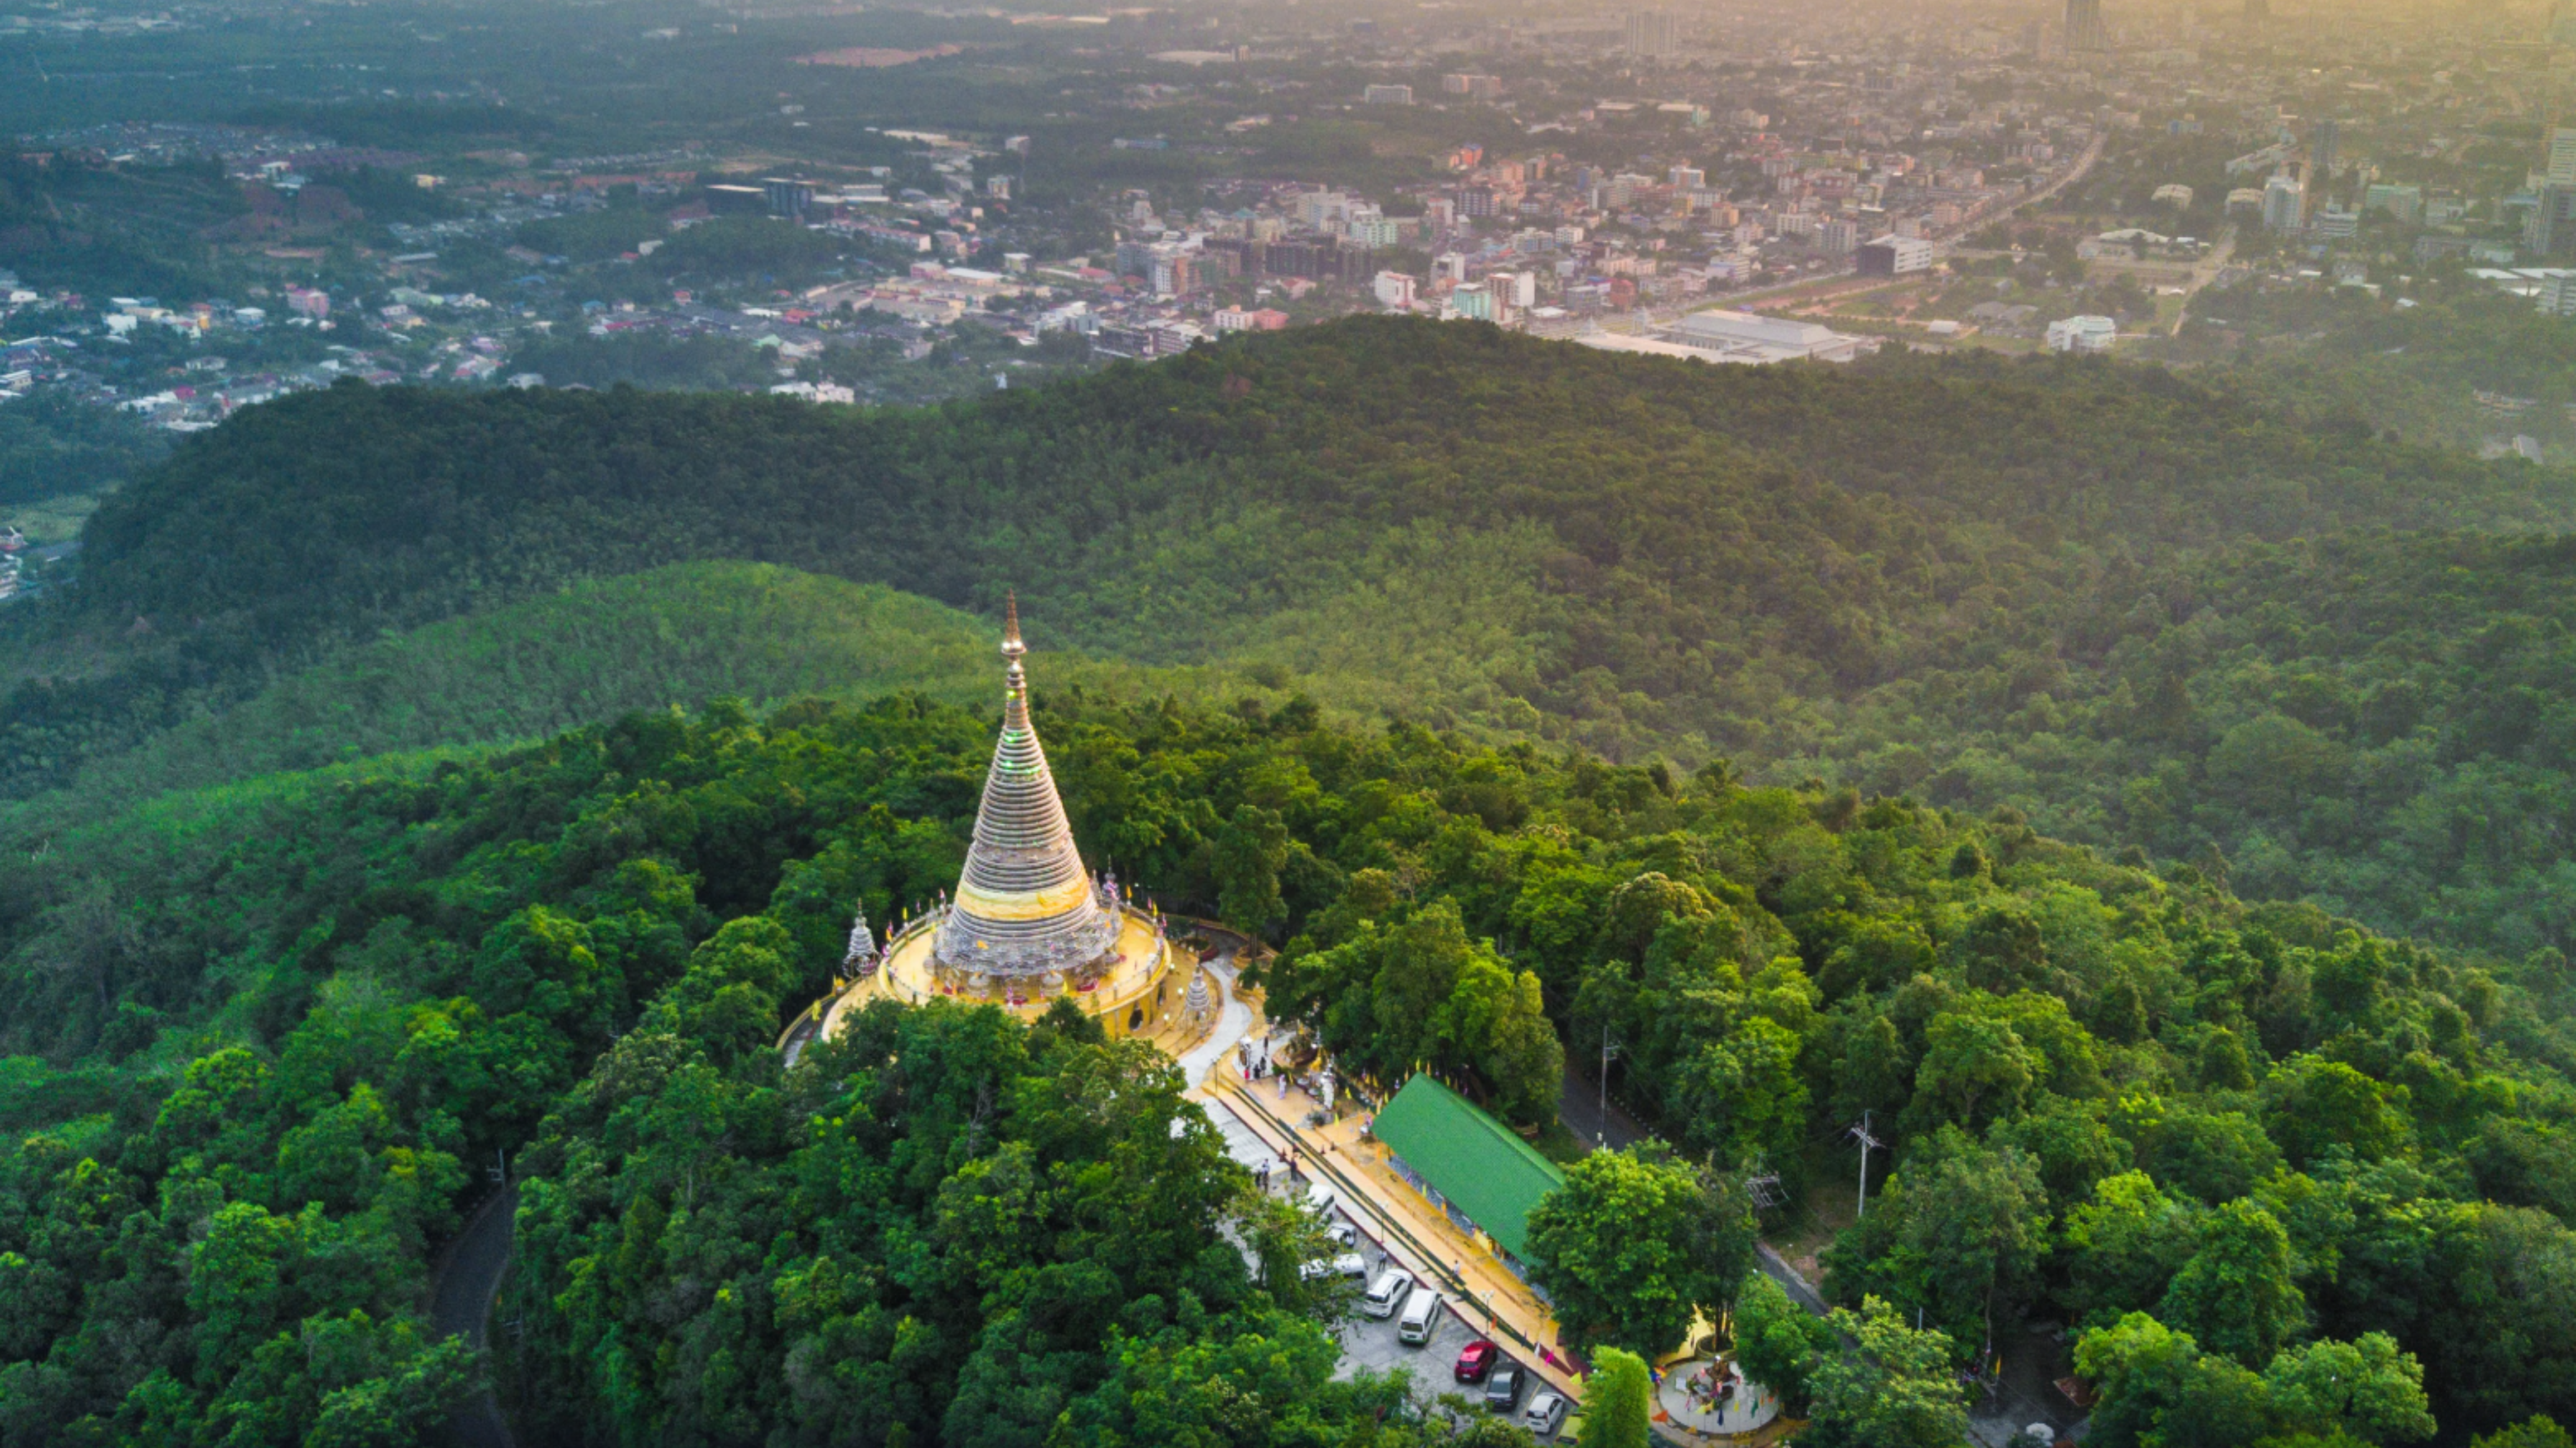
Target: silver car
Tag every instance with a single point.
(1545, 1413)
(1348, 1264)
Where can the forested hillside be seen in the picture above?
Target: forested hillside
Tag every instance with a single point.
(2256, 1153)
(2139, 612)
(1806, 509)
(2379, 724)
(680, 634)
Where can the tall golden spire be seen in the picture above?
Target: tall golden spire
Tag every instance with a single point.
(1025, 907)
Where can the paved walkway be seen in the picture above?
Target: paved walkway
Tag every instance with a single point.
(801, 1035)
(1233, 1023)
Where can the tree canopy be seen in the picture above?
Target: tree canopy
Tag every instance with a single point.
(2140, 611)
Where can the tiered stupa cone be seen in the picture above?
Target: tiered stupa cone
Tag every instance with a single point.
(1025, 907)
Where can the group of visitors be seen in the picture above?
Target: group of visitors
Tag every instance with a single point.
(1716, 1388)
(1256, 1061)
(1261, 1173)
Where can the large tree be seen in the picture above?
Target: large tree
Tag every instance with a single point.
(2123, 1246)
(1778, 1343)
(1958, 1234)
(1634, 1243)
(1743, 1097)
(2236, 1294)
(2159, 1390)
(1421, 993)
(1894, 1388)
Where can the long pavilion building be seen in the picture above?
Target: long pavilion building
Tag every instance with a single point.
(1029, 923)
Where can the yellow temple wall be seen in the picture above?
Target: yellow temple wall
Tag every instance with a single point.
(1140, 997)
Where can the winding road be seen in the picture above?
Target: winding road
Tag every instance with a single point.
(466, 1280)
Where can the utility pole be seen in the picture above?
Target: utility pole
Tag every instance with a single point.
(1609, 1052)
(1866, 1142)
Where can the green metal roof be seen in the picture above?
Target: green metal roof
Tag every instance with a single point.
(1468, 1157)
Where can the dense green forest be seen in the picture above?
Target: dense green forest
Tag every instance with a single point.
(2140, 612)
(264, 1029)
(1812, 735)
(600, 648)
(2377, 724)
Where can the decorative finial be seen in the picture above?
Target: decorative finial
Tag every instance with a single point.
(1015, 698)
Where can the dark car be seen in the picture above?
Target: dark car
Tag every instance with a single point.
(1475, 1360)
(1503, 1388)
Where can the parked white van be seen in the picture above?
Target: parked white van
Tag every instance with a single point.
(1388, 1292)
(1421, 1314)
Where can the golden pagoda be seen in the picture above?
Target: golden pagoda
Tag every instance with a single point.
(1029, 923)
(1025, 907)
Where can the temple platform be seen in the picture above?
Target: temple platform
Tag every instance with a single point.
(1141, 995)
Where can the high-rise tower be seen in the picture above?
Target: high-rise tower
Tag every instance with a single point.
(1025, 907)
(1652, 34)
(2561, 163)
(2084, 26)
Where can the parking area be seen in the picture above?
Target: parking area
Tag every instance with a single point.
(1369, 1342)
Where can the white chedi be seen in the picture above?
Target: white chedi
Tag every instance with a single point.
(861, 957)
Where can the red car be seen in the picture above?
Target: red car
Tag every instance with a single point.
(1475, 1360)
